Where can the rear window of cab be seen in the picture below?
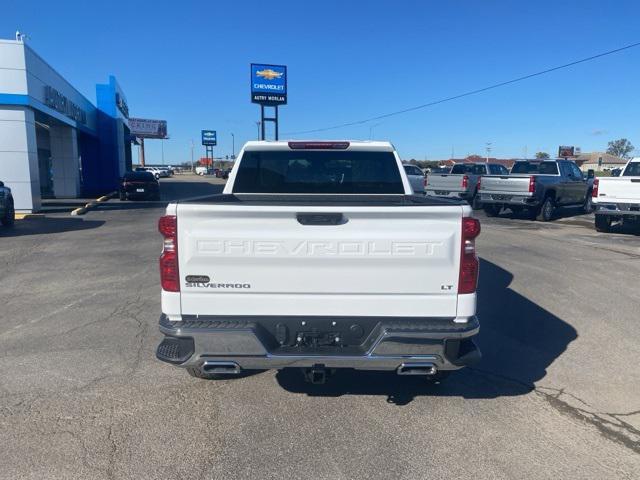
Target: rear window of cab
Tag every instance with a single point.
(322, 172)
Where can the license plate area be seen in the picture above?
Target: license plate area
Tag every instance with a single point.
(140, 190)
(442, 192)
(333, 335)
(501, 197)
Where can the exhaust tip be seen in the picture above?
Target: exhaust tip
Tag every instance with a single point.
(224, 368)
(417, 368)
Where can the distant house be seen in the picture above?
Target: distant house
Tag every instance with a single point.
(598, 161)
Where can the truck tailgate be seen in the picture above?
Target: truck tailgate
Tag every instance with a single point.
(619, 189)
(261, 260)
(505, 184)
(445, 182)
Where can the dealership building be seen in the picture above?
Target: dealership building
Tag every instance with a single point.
(54, 142)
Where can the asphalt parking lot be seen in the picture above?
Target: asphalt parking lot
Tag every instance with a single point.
(557, 394)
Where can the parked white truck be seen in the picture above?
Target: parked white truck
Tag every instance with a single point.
(317, 255)
(617, 198)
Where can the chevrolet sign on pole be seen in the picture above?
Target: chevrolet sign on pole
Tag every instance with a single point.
(209, 138)
(268, 84)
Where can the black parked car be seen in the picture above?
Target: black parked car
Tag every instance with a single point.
(7, 212)
(139, 185)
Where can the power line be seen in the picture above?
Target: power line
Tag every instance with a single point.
(466, 94)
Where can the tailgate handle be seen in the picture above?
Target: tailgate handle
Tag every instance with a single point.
(321, 219)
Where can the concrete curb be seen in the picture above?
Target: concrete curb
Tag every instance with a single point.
(93, 203)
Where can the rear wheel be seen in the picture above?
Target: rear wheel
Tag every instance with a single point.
(587, 207)
(123, 196)
(547, 210)
(491, 210)
(475, 202)
(603, 223)
(9, 215)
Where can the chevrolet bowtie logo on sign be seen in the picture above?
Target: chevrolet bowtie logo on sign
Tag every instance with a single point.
(269, 74)
(268, 84)
(209, 138)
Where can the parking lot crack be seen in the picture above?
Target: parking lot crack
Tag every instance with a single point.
(609, 425)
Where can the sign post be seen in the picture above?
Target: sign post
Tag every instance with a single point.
(565, 151)
(209, 140)
(146, 128)
(268, 89)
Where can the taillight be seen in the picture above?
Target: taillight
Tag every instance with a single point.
(426, 181)
(479, 184)
(465, 181)
(594, 191)
(169, 276)
(468, 280)
(532, 184)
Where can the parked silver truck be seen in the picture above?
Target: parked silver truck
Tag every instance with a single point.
(416, 177)
(537, 188)
(462, 182)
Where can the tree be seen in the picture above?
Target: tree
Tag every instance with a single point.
(542, 155)
(620, 148)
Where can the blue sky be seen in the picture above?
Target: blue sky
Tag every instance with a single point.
(188, 62)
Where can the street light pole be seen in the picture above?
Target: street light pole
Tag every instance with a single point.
(488, 150)
(258, 125)
(162, 147)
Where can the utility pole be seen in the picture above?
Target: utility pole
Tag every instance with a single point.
(371, 130)
(233, 146)
(162, 149)
(192, 155)
(488, 150)
(258, 125)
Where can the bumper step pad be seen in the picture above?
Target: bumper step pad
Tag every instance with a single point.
(175, 350)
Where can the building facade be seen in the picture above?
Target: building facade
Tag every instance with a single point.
(599, 161)
(54, 142)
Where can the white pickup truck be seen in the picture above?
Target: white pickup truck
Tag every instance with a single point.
(617, 198)
(318, 255)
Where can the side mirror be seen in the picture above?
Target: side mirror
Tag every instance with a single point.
(591, 173)
(1, 183)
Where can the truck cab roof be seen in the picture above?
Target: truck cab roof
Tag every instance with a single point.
(351, 145)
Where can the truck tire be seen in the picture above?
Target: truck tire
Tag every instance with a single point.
(492, 210)
(587, 207)
(475, 202)
(603, 223)
(547, 210)
(9, 215)
(122, 196)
